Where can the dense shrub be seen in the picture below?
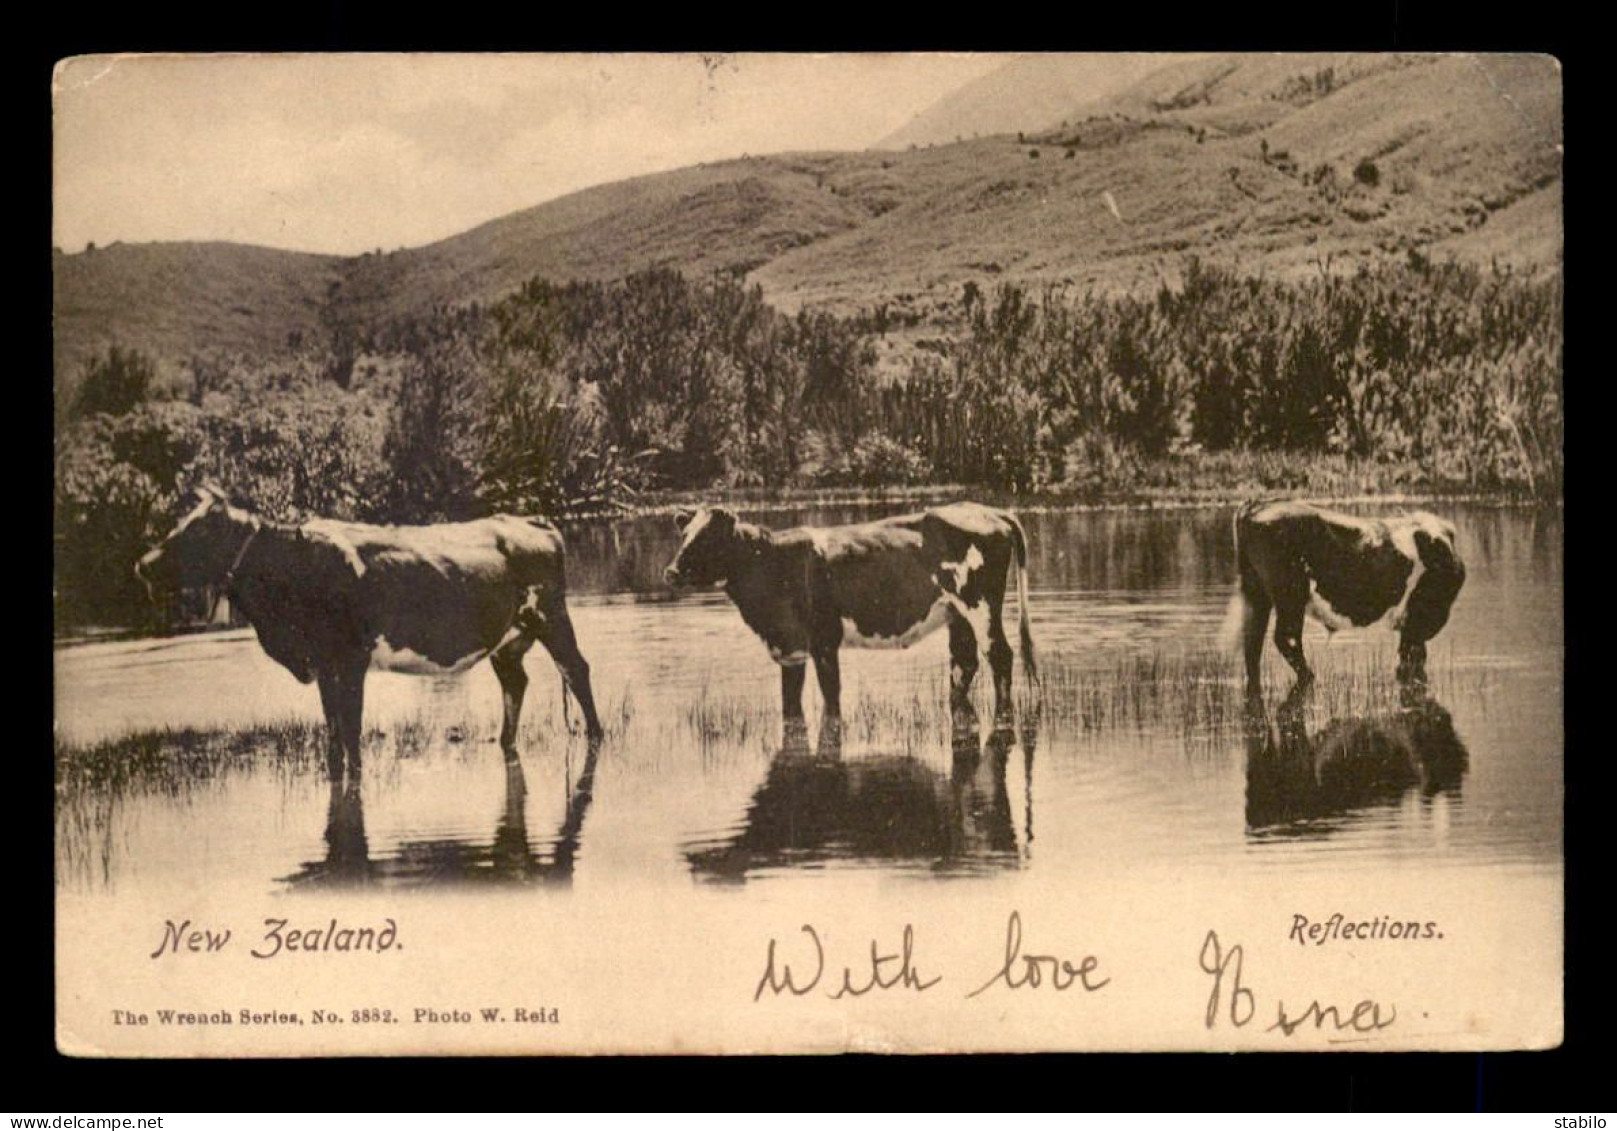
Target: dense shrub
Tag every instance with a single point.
(1452, 367)
(114, 384)
(872, 459)
(569, 398)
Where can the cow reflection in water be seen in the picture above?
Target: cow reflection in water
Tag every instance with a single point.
(1297, 782)
(814, 807)
(511, 858)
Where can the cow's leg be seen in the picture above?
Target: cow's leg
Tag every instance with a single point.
(1000, 656)
(353, 723)
(555, 632)
(963, 662)
(342, 698)
(507, 663)
(1411, 661)
(825, 644)
(1425, 615)
(1289, 612)
(350, 695)
(331, 705)
(792, 677)
(1254, 628)
(828, 669)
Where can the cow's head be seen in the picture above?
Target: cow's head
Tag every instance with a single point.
(200, 548)
(707, 550)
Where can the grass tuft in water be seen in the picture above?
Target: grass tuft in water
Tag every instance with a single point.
(170, 758)
(1197, 692)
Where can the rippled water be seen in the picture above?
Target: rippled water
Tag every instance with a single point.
(1140, 755)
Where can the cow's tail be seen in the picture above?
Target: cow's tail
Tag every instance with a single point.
(1025, 629)
(1232, 633)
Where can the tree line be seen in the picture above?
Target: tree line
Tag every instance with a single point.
(573, 399)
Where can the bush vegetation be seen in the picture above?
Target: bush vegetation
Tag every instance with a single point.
(1452, 368)
(571, 399)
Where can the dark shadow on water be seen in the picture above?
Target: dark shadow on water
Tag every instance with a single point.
(510, 858)
(1300, 784)
(814, 807)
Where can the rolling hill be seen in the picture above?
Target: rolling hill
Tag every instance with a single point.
(1280, 164)
(174, 299)
(1029, 92)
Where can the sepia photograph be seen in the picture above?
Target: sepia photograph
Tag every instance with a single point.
(803, 553)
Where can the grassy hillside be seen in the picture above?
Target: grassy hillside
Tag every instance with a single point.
(728, 217)
(170, 300)
(1028, 92)
(1284, 165)
(1253, 161)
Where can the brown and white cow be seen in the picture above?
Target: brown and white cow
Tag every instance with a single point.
(1296, 559)
(810, 590)
(331, 600)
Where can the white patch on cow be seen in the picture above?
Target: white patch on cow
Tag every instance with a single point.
(936, 617)
(962, 570)
(1403, 539)
(385, 657)
(791, 659)
(333, 533)
(976, 616)
(1400, 612)
(821, 544)
(694, 527)
(1320, 609)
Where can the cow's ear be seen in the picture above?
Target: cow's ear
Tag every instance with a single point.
(683, 516)
(724, 517)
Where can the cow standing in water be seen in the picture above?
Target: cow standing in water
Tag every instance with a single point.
(810, 590)
(330, 600)
(1296, 559)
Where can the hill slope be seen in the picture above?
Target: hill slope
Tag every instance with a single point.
(1273, 163)
(173, 299)
(1241, 159)
(1028, 92)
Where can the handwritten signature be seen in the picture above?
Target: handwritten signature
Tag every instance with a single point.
(1237, 1003)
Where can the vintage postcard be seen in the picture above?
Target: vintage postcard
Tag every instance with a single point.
(785, 553)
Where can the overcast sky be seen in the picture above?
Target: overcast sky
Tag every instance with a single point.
(349, 153)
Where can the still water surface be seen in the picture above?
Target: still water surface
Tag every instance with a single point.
(1140, 756)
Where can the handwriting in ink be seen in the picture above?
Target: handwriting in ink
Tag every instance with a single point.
(1226, 969)
(905, 975)
(897, 970)
(1243, 1003)
(1032, 969)
(783, 980)
(1365, 1017)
